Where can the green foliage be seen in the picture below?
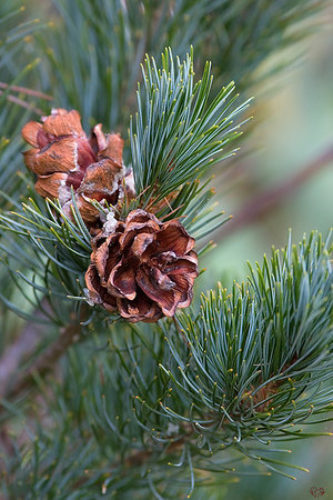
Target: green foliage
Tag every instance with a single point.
(91, 52)
(42, 249)
(15, 108)
(154, 411)
(240, 35)
(81, 60)
(176, 125)
(95, 48)
(259, 358)
(178, 133)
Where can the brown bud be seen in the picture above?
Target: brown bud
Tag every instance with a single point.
(63, 157)
(145, 269)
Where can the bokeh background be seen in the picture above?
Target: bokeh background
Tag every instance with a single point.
(293, 126)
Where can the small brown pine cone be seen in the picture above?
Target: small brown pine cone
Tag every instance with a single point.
(62, 156)
(145, 269)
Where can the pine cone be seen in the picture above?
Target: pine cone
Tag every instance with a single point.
(63, 156)
(145, 269)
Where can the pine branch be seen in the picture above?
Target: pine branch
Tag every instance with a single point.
(147, 412)
(178, 133)
(255, 367)
(62, 251)
(237, 35)
(21, 349)
(257, 353)
(46, 361)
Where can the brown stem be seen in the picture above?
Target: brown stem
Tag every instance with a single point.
(24, 104)
(139, 457)
(24, 90)
(23, 347)
(46, 361)
(266, 201)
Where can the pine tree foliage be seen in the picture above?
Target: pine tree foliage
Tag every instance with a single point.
(47, 254)
(258, 355)
(157, 412)
(15, 108)
(151, 411)
(17, 104)
(177, 134)
(114, 36)
(176, 138)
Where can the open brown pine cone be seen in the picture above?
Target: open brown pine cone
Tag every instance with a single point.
(145, 269)
(62, 156)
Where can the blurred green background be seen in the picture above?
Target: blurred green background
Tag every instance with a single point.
(293, 125)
